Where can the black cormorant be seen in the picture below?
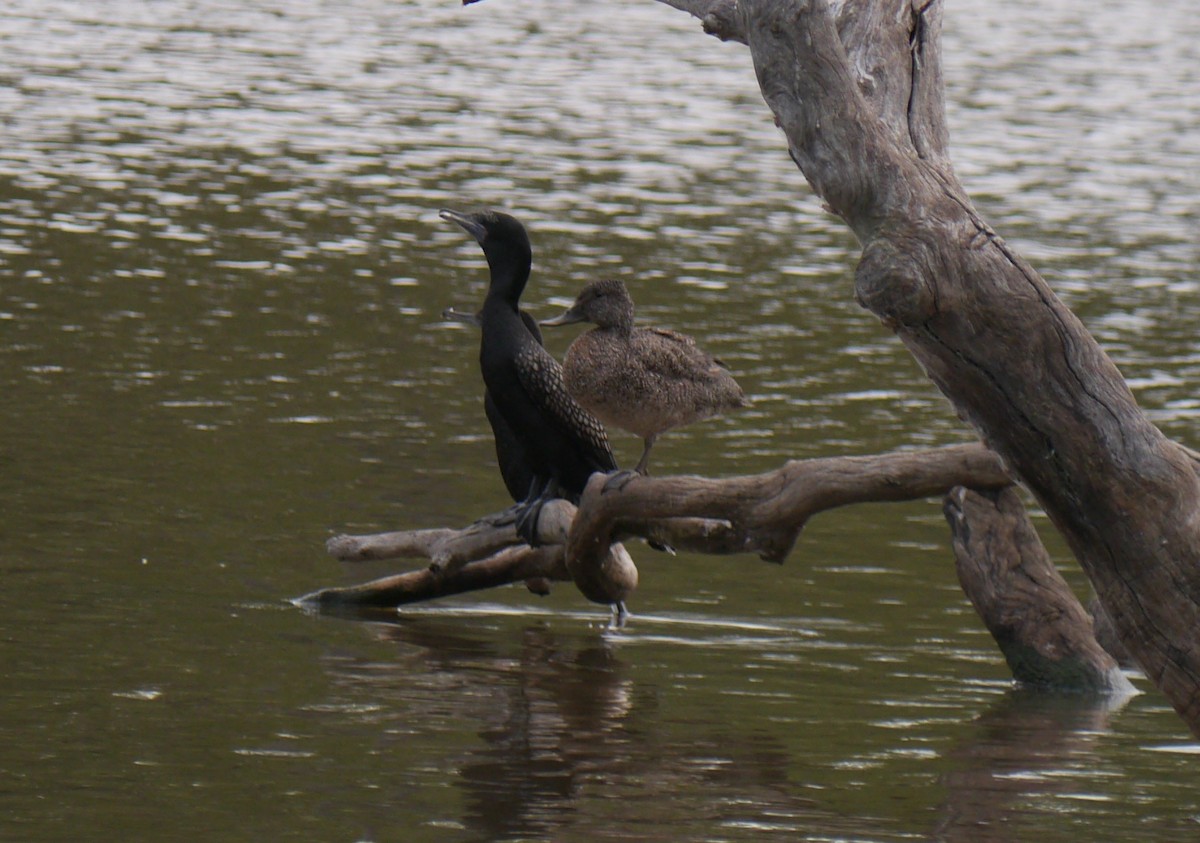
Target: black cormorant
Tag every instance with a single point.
(515, 469)
(563, 443)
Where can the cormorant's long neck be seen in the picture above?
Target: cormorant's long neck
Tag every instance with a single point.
(509, 274)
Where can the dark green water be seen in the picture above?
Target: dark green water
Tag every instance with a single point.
(221, 270)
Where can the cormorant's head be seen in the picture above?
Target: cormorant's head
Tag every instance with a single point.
(604, 303)
(504, 242)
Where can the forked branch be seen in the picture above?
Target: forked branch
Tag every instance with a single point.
(766, 512)
(760, 514)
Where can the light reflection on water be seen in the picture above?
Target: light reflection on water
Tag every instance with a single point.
(221, 270)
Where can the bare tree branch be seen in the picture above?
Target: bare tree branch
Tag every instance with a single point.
(390, 545)
(768, 511)
(486, 554)
(1041, 627)
(515, 564)
(720, 18)
(761, 514)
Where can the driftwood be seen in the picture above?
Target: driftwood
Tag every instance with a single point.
(766, 512)
(1041, 628)
(760, 514)
(857, 89)
(486, 554)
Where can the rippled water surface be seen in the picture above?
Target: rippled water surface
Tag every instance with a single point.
(221, 274)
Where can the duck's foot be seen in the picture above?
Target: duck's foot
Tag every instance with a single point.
(618, 480)
(620, 615)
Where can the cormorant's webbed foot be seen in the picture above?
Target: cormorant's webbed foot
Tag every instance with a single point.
(530, 509)
(527, 520)
(503, 518)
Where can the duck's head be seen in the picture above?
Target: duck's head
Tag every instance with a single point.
(606, 304)
(504, 242)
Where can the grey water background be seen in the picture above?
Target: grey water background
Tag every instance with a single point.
(221, 272)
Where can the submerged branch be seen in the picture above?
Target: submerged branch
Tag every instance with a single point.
(535, 566)
(486, 554)
(1042, 629)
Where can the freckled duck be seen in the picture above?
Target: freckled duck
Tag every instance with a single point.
(644, 380)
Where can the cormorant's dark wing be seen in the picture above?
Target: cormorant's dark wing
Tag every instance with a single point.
(531, 325)
(515, 469)
(540, 375)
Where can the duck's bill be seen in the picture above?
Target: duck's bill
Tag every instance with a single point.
(568, 318)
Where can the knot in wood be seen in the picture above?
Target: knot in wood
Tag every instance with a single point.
(722, 20)
(893, 279)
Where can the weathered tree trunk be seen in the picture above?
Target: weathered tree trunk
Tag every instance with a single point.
(857, 90)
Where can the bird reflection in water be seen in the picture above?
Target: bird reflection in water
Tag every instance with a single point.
(549, 714)
(567, 737)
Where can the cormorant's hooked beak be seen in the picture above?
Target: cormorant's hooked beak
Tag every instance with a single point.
(452, 314)
(467, 221)
(568, 318)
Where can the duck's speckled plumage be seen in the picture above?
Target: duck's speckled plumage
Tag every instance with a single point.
(644, 380)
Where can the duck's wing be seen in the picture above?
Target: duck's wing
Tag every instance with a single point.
(540, 375)
(675, 356)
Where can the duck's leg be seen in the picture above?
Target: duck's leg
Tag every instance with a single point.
(649, 443)
(618, 480)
